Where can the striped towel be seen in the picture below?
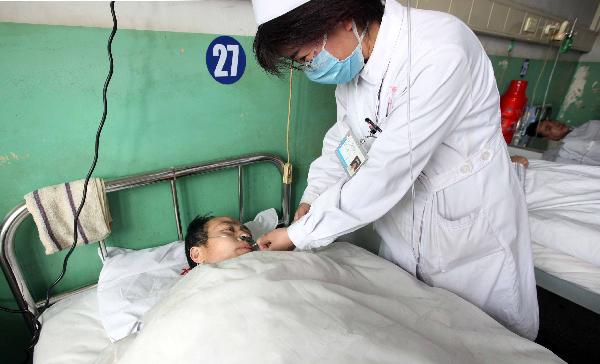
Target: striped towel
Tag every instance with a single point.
(53, 209)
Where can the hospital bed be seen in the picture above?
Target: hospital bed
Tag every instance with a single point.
(85, 339)
(78, 309)
(567, 276)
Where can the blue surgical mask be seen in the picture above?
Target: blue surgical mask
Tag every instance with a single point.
(325, 68)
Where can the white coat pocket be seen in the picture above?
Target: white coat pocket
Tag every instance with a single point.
(463, 241)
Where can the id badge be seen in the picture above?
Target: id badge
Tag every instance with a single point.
(351, 154)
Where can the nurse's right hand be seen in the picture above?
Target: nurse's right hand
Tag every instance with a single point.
(303, 209)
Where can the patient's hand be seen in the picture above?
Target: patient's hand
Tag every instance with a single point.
(303, 209)
(277, 239)
(520, 159)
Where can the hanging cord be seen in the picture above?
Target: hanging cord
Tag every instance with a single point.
(90, 171)
(535, 87)
(36, 329)
(287, 134)
(37, 324)
(550, 79)
(566, 42)
(287, 167)
(511, 45)
(95, 160)
(410, 145)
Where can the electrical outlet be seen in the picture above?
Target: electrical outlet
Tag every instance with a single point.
(562, 31)
(551, 28)
(531, 24)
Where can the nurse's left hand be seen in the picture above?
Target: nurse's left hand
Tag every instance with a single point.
(520, 159)
(277, 239)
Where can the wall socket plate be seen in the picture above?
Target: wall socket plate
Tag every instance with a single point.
(530, 25)
(562, 31)
(551, 28)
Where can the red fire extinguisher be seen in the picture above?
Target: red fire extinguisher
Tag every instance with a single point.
(512, 105)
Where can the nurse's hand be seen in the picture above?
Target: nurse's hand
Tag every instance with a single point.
(277, 239)
(303, 209)
(520, 159)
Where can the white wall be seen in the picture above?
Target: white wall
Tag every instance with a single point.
(496, 46)
(232, 17)
(594, 54)
(569, 9)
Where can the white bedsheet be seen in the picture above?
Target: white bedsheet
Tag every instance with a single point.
(566, 267)
(564, 208)
(342, 305)
(72, 332)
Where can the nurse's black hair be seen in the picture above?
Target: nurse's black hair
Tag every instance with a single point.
(196, 235)
(307, 24)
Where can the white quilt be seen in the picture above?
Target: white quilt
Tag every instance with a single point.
(340, 305)
(564, 208)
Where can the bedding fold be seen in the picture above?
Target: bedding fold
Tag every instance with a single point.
(564, 208)
(341, 304)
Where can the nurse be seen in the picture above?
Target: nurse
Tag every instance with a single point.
(440, 188)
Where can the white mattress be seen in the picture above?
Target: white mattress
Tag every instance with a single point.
(566, 267)
(71, 332)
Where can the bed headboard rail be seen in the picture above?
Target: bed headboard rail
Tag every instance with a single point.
(12, 269)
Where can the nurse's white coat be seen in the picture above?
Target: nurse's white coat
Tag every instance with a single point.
(470, 233)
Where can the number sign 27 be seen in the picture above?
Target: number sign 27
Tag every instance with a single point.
(226, 60)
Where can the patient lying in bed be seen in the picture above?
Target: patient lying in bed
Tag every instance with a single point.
(212, 239)
(133, 282)
(345, 304)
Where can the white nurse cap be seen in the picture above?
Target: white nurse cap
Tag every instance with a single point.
(265, 10)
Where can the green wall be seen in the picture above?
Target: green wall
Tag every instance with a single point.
(507, 69)
(580, 78)
(164, 110)
(583, 99)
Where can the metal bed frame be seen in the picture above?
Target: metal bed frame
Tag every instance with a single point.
(568, 290)
(12, 269)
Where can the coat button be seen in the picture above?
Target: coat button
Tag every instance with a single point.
(465, 169)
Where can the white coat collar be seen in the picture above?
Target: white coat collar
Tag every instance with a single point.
(391, 25)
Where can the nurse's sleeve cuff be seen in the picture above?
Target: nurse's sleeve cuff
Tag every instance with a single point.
(303, 238)
(308, 197)
(298, 236)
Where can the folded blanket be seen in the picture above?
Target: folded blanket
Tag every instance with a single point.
(53, 209)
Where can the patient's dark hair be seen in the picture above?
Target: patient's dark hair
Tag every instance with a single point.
(532, 129)
(196, 235)
(307, 24)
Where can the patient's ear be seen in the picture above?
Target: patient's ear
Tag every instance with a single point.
(198, 255)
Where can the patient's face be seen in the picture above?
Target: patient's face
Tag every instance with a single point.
(553, 129)
(223, 241)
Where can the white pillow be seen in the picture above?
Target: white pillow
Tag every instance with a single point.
(264, 222)
(133, 281)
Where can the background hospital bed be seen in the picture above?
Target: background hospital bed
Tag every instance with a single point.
(562, 274)
(78, 309)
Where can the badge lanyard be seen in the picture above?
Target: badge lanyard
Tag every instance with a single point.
(350, 151)
(374, 127)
